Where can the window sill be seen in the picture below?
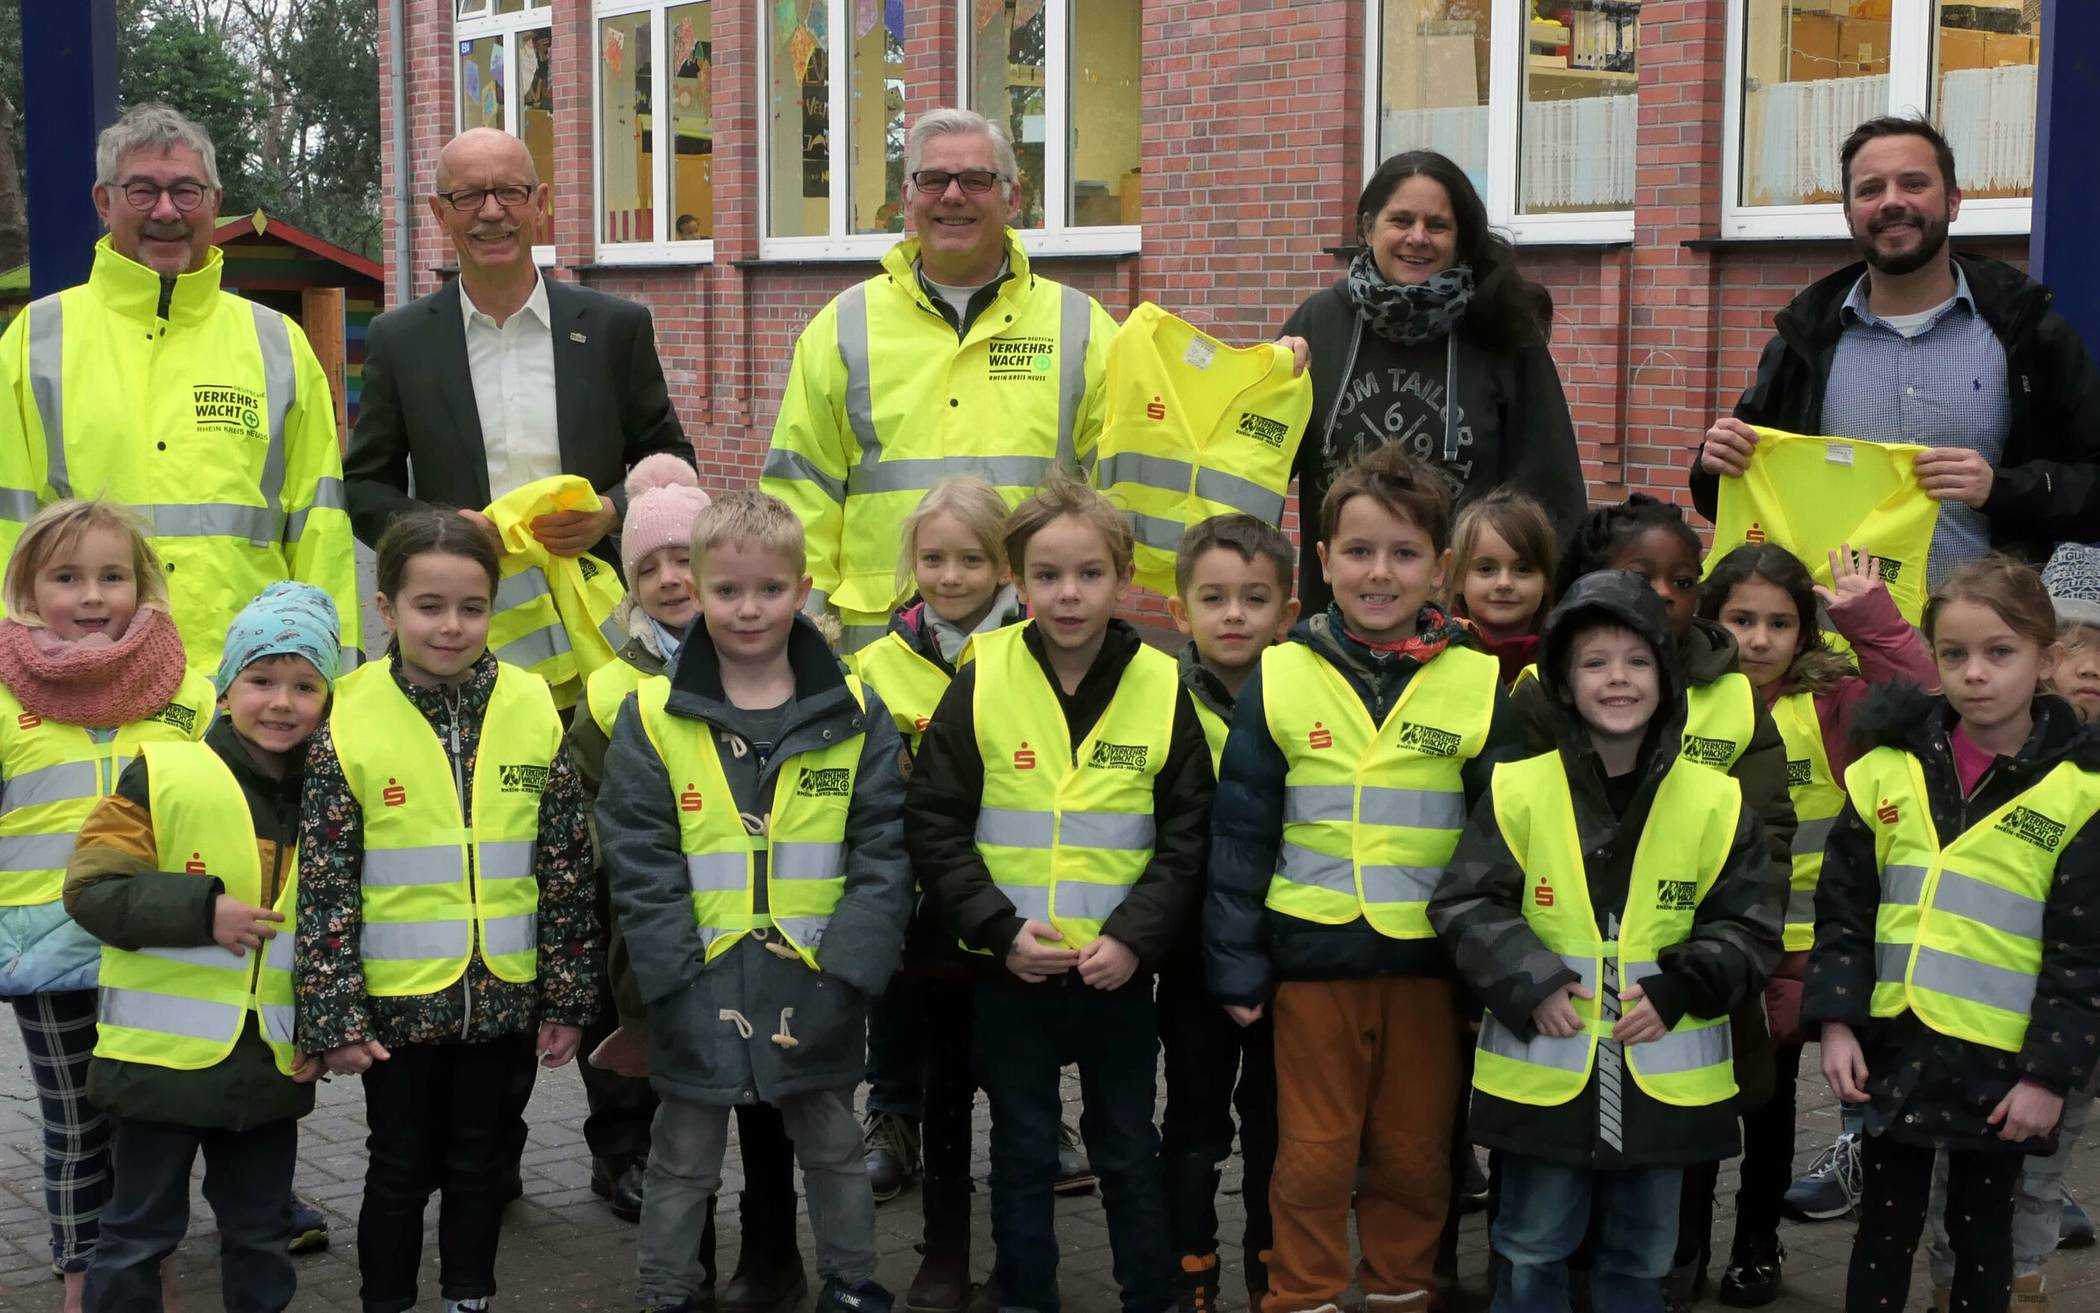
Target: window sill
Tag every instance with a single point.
(832, 261)
(636, 266)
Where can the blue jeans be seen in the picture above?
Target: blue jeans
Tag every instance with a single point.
(1023, 1036)
(1546, 1210)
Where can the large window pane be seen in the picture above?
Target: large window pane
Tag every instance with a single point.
(1575, 140)
(1007, 61)
(536, 111)
(481, 83)
(1809, 77)
(625, 178)
(690, 59)
(1984, 82)
(1433, 80)
(1104, 134)
(876, 113)
(798, 137)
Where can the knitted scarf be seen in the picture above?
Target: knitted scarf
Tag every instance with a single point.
(1408, 314)
(92, 681)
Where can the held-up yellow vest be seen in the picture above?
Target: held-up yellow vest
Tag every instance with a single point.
(184, 1008)
(51, 776)
(437, 890)
(1958, 938)
(910, 685)
(1818, 801)
(554, 614)
(1812, 495)
(1066, 829)
(1195, 428)
(606, 689)
(804, 843)
(1691, 825)
(1371, 813)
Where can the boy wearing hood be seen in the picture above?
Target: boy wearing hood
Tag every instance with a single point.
(1604, 1064)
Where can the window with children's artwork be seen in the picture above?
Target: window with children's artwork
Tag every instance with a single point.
(655, 123)
(504, 79)
(832, 117)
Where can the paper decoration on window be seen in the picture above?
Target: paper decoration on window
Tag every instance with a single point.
(1025, 12)
(496, 64)
(490, 110)
(987, 10)
(529, 61)
(893, 17)
(615, 50)
(867, 13)
(470, 83)
(787, 16)
(684, 39)
(818, 20)
(800, 47)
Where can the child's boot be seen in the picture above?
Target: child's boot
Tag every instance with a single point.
(867, 1297)
(1415, 1301)
(943, 1281)
(2028, 1295)
(768, 1272)
(1196, 1284)
(1942, 1299)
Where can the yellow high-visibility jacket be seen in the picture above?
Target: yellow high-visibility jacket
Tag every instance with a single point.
(554, 614)
(883, 401)
(206, 413)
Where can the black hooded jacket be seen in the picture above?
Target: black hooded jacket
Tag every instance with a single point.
(1929, 1088)
(1736, 934)
(2047, 486)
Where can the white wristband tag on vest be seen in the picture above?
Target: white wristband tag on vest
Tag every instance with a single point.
(1200, 353)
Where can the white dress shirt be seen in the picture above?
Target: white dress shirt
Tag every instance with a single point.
(513, 371)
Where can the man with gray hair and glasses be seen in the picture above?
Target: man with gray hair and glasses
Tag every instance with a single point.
(149, 384)
(956, 359)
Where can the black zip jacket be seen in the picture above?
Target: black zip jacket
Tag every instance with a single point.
(1722, 964)
(947, 791)
(2047, 487)
(1929, 1088)
(1248, 949)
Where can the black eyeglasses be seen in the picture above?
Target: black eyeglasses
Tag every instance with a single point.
(510, 196)
(144, 196)
(934, 182)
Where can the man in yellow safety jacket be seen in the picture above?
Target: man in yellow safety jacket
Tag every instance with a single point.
(956, 359)
(149, 384)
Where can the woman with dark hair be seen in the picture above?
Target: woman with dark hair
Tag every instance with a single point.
(1433, 307)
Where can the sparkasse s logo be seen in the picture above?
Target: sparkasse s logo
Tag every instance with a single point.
(394, 795)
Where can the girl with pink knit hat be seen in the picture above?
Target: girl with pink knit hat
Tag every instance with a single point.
(663, 497)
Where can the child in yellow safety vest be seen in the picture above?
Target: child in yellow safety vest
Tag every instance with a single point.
(1955, 966)
(1504, 555)
(750, 820)
(1765, 597)
(1355, 750)
(1611, 902)
(91, 669)
(447, 940)
(1232, 600)
(186, 874)
(1057, 806)
(920, 1089)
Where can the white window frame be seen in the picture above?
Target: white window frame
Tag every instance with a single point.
(1506, 65)
(1911, 56)
(1057, 236)
(836, 243)
(538, 14)
(663, 247)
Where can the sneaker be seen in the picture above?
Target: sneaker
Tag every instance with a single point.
(2029, 1295)
(1074, 1176)
(1752, 1278)
(892, 1146)
(2076, 1229)
(1831, 1188)
(478, 1304)
(867, 1297)
(309, 1228)
(1196, 1284)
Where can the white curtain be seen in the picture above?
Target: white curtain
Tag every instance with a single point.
(1795, 156)
(1577, 154)
(1988, 116)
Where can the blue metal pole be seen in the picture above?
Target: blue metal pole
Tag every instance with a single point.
(2066, 185)
(69, 94)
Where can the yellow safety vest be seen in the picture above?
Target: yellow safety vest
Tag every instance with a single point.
(910, 685)
(1066, 829)
(1215, 728)
(1691, 826)
(882, 402)
(553, 614)
(1195, 428)
(52, 775)
(804, 844)
(606, 689)
(1864, 493)
(184, 1008)
(209, 416)
(1958, 937)
(1818, 801)
(1719, 719)
(1372, 812)
(436, 890)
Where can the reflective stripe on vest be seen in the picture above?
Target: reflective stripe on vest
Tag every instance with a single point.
(1194, 429)
(1371, 813)
(804, 849)
(434, 890)
(910, 685)
(1719, 719)
(1065, 830)
(1958, 936)
(52, 774)
(1818, 801)
(1691, 827)
(606, 689)
(183, 1008)
(528, 629)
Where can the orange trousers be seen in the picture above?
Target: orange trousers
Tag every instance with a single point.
(1366, 1072)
